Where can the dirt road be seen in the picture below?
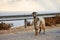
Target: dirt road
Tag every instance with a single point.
(51, 34)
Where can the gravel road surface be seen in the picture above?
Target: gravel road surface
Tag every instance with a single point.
(51, 34)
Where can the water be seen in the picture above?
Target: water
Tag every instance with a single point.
(17, 23)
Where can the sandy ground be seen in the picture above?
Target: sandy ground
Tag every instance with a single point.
(52, 33)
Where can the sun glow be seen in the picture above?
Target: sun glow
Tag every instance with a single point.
(21, 6)
(29, 5)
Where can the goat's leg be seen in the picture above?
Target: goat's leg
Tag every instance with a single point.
(43, 27)
(40, 30)
(36, 31)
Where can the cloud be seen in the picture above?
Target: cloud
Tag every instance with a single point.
(56, 4)
(22, 6)
(29, 5)
(49, 4)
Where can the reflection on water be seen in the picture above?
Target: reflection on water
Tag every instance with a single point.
(17, 23)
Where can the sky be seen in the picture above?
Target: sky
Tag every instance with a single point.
(29, 5)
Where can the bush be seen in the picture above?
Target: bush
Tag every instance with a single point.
(4, 26)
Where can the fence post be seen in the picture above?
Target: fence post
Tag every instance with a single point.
(25, 21)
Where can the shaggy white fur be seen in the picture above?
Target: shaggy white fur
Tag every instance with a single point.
(40, 21)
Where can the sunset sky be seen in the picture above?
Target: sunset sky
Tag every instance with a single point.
(29, 5)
